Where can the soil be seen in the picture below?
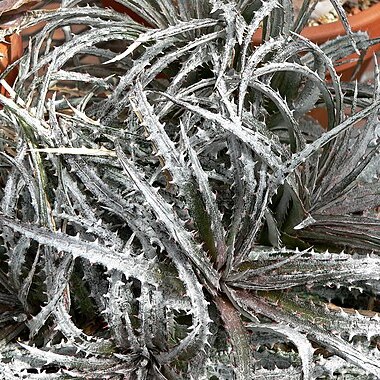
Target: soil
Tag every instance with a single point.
(352, 7)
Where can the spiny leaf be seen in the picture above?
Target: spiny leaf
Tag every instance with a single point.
(254, 139)
(304, 347)
(166, 33)
(93, 252)
(210, 201)
(337, 345)
(171, 221)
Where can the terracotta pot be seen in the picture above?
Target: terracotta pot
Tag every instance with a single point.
(367, 20)
(10, 50)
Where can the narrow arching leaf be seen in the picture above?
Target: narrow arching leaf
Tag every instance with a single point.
(305, 349)
(93, 252)
(165, 214)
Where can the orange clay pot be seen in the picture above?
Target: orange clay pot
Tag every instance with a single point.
(365, 21)
(10, 50)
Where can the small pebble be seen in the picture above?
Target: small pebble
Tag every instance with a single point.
(352, 7)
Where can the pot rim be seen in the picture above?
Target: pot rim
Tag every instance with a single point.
(324, 32)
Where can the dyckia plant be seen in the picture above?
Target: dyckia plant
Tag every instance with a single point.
(169, 208)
